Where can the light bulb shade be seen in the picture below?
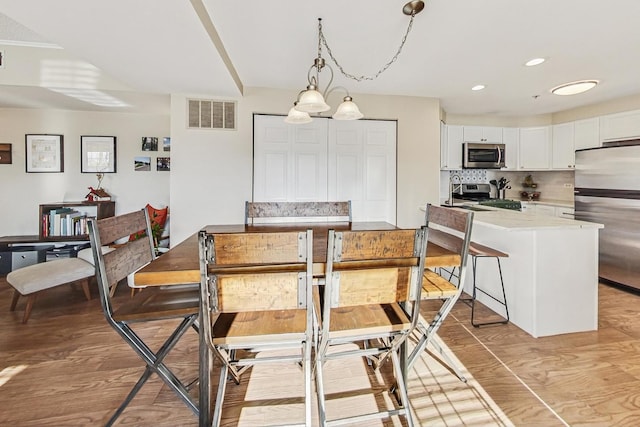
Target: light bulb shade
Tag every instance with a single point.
(348, 110)
(311, 101)
(297, 117)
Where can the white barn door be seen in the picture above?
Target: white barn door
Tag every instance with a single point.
(327, 160)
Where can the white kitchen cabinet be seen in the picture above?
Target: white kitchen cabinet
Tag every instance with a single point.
(564, 212)
(546, 210)
(451, 149)
(510, 137)
(562, 146)
(620, 126)
(534, 148)
(586, 133)
(489, 134)
(443, 145)
(528, 208)
(536, 208)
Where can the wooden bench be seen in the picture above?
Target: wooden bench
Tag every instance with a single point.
(30, 280)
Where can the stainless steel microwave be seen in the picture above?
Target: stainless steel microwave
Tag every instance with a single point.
(482, 156)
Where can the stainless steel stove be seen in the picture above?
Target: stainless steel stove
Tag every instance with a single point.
(481, 193)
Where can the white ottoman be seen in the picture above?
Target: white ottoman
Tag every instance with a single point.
(28, 281)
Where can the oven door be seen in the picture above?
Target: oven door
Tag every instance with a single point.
(483, 156)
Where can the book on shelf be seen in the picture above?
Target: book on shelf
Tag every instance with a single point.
(64, 222)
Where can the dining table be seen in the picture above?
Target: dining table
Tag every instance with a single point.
(181, 265)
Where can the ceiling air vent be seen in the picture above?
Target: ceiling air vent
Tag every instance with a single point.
(209, 114)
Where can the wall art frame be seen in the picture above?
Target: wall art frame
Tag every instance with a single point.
(98, 154)
(44, 153)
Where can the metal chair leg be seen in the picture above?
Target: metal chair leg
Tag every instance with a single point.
(155, 364)
(502, 302)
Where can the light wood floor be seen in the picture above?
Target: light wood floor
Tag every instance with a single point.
(67, 367)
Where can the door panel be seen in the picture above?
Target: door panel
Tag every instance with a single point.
(327, 160)
(364, 151)
(289, 162)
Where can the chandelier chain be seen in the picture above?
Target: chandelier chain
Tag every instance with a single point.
(323, 41)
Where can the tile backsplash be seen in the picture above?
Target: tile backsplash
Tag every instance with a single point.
(552, 185)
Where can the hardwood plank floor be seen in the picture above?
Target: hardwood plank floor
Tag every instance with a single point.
(67, 367)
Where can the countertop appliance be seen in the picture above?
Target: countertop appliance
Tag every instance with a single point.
(481, 193)
(482, 155)
(607, 191)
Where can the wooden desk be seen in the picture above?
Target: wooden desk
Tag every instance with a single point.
(181, 264)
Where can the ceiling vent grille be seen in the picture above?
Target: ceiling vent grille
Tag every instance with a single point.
(209, 114)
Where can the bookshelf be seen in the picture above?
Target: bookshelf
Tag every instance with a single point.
(67, 220)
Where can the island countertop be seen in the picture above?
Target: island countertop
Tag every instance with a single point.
(506, 219)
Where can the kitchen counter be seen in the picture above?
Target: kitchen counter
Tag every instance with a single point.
(510, 220)
(550, 202)
(550, 276)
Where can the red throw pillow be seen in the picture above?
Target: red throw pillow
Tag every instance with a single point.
(158, 219)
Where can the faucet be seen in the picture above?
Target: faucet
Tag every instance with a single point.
(454, 187)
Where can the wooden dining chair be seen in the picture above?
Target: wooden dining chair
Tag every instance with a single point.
(371, 296)
(256, 296)
(450, 229)
(289, 211)
(151, 304)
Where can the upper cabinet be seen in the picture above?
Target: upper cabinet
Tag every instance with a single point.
(562, 146)
(541, 147)
(510, 138)
(586, 133)
(482, 134)
(620, 126)
(534, 148)
(451, 148)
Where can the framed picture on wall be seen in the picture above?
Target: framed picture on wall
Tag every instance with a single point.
(142, 163)
(98, 154)
(163, 164)
(149, 143)
(44, 153)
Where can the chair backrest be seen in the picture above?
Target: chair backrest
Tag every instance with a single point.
(255, 272)
(450, 228)
(374, 267)
(289, 211)
(128, 257)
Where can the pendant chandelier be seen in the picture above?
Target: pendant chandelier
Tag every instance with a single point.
(311, 100)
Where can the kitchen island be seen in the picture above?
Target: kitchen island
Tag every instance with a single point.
(550, 276)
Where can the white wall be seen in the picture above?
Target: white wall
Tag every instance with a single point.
(212, 169)
(21, 192)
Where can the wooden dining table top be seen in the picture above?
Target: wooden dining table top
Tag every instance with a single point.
(181, 264)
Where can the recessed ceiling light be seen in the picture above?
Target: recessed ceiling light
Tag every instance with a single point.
(574, 88)
(478, 87)
(534, 61)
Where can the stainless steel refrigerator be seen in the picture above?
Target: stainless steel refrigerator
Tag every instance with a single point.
(607, 191)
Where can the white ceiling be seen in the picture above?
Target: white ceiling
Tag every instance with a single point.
(156, 48)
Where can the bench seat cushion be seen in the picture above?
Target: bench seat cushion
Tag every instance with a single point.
(87, 254)
(48, 274)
